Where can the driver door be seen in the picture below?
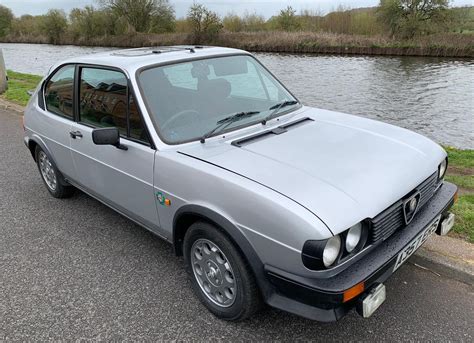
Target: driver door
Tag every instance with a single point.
(121, 178)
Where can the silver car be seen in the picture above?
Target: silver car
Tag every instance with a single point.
(269, 201)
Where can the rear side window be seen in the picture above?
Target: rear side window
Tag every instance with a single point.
(105, 101)
(58, 92)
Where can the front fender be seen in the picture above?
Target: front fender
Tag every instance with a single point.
(180, 225)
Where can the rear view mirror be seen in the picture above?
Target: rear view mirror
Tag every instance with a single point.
(223, 67)
(107, 136)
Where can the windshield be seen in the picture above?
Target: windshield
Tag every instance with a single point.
(188, 100)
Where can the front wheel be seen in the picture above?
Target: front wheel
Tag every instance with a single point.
(220, 276)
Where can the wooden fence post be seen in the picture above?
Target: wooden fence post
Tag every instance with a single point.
(3, 74)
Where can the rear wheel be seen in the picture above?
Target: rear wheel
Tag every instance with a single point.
(51, 177)
(220, 276)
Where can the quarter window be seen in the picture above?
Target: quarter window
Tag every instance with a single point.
(58, 92)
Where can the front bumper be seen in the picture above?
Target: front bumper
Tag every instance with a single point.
(322, 298)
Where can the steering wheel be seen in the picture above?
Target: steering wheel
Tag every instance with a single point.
(177, 116)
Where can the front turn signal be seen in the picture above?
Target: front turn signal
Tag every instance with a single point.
(354, 291)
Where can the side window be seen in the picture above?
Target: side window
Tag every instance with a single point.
(58, 92)
(103, 98)
(105, 102)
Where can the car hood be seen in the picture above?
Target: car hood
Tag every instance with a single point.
(342, 168)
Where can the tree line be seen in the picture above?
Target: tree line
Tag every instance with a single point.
(397, 18)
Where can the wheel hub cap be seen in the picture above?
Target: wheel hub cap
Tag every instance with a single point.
(213, 272)
(47, 171)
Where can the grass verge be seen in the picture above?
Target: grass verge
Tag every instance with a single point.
(18, 86)
(464, 211)
(460, 172)
(460, 158)
(465, 182)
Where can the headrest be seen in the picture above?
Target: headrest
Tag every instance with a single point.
(219, 88)
(200, 70)
(157, 78)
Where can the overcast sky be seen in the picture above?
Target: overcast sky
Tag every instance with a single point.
(264, 7)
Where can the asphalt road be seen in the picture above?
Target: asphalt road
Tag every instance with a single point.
(74, 269)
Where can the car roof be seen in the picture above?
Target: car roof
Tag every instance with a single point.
(133, 59)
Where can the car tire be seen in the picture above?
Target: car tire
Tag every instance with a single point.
(52, 178)
(220, 276)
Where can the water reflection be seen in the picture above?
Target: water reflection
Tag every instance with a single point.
(432, 96)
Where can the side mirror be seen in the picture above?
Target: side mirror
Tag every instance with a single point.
(107, 136)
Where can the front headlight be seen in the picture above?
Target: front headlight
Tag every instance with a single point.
(353, 237)
(442, 169)
(328, 253)
(331, 250)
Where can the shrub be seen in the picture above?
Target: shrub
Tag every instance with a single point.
(408, 18)
(6, 18)
(54, 25)
(143, 15)
(205, 24)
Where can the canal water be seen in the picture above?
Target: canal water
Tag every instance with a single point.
(432, 96)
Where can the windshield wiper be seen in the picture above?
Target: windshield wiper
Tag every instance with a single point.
(223, 123)
(277, 108)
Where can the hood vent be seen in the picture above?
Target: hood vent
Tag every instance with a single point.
(275, 131)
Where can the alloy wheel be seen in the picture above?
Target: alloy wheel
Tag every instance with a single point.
(47, 171)
(213, 272)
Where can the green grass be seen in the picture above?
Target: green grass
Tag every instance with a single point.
(18, 85)
(464, 181)
(460, 158)
(461, 173)
(464, 211)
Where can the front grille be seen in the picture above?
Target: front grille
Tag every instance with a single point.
(390, 220)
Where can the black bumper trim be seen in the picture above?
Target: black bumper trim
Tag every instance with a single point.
(321, 299)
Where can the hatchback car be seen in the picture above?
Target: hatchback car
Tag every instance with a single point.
(269, 201)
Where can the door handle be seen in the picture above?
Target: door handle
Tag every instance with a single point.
(75, 134)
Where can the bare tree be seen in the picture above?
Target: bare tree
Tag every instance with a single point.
(141, 14)
(205, 23)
